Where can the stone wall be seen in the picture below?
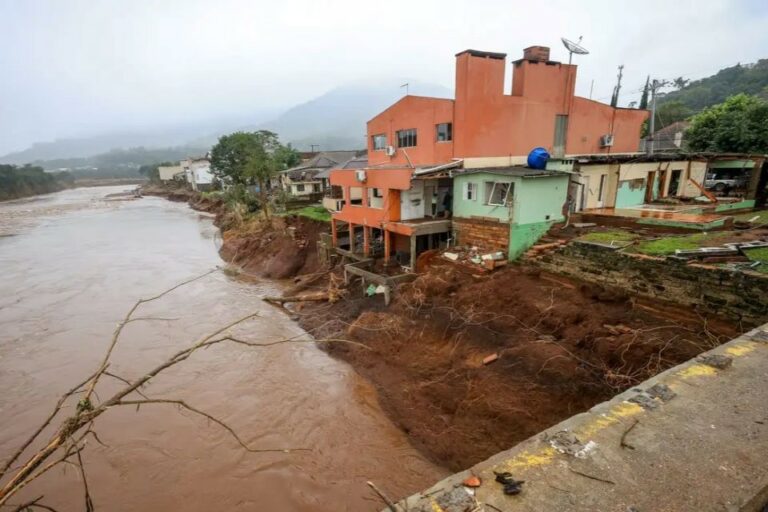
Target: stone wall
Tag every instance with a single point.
(740, 296)
(487, 235)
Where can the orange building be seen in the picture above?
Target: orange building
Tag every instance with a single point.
(413, 144)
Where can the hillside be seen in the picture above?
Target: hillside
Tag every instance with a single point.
(741, 78)
(336, 119)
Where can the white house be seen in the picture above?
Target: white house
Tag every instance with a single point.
(198, 173)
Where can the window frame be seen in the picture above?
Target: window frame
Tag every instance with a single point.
(376, 136)
(469, 189)
(505, 200)
(448, 132)
(299, 187)
(406, 136)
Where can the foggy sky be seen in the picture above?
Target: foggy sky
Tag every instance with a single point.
(82, 67)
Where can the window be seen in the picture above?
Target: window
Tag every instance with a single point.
(497, 193)
(376, 192)
(406, 138)
(356, 196)
(470, 191)
(444, 132)
(300, 188)
(315, 187)
(379, 142)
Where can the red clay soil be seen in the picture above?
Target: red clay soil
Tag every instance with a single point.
(562, 348)
(284, 249)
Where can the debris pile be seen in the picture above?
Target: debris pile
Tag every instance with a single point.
(473, 258)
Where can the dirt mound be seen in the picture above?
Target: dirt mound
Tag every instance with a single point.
(558, 349)
(285, 247)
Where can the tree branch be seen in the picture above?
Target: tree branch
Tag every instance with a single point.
(214, 419)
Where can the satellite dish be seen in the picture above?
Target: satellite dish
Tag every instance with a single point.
(573, 48)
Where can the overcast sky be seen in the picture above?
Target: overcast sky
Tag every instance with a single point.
(82, 67)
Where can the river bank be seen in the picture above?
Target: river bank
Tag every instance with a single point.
(74, 264)
(468, 364)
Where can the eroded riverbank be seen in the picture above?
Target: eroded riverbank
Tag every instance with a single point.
(67, 279)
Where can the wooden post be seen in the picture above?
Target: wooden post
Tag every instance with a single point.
(334, 233)
(366, 241)
(413, 253)
(387, 248)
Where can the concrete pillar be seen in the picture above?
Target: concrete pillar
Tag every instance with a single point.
(366, 241)
(334, 233)
(387, 246)
(351, 238)
(413, 253)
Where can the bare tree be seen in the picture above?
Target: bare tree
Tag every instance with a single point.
(66, 444)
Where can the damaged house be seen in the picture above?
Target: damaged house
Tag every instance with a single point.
(410, 196)
(312, 177)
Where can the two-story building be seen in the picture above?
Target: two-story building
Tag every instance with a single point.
(405, 195)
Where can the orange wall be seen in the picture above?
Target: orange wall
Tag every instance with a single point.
(389, 181)
(413, 112)
(489, 123)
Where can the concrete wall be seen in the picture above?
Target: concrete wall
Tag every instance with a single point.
(417, 112)
(478, 207)
(740, 296)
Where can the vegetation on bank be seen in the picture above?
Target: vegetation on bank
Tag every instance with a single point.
(610, 236)
(316, 212)
(17, 182)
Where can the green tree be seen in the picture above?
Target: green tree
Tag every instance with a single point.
(251, 158)
(671, 112)
(646, 91)
(738, 125)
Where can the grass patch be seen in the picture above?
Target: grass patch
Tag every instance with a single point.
(614, 235)
(318, 213)
(745, 217)
(668, 245)
(760, 255)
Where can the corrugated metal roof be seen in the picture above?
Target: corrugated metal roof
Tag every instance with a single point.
(518, 171)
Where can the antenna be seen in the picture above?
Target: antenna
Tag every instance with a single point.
(574, 48)
(406, 85)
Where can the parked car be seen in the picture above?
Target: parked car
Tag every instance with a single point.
(725, 180)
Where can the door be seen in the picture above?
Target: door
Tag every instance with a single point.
(430, 197)
(601, 191)
(650, 186)
(674, 182)
(584, 193)
(660, 190)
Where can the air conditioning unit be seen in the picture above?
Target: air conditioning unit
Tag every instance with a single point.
(606, 140)
(360, 175)
(390, 151)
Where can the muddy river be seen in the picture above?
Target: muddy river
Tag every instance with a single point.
(72, 263)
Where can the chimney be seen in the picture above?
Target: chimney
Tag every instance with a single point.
(536, 53)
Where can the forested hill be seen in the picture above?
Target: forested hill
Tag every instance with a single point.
(16, 182)
(742, 78)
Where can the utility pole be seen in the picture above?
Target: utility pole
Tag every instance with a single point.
(313, 146)
(406, 88)
(655, 86)
(615, 99)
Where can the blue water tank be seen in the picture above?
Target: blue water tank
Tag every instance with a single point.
(537, 159)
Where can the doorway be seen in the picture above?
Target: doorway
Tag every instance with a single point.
(650, 186)
(674, 182)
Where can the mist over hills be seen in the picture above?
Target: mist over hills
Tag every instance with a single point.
(333, 120)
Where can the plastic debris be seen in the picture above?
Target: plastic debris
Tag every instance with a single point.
(471, 481)
(511, 486)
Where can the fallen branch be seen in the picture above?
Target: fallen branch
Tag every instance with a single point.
(307, 297)
(383, 496)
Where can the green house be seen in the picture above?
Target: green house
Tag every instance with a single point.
(506, 208)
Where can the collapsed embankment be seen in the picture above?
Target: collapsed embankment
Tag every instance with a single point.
(558, 347)
(281, 248)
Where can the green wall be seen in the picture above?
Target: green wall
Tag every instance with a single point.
(739, 205)
(625, 196)
(537, 204)
(477, 207)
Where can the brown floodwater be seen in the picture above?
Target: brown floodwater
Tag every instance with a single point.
(71, 264)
